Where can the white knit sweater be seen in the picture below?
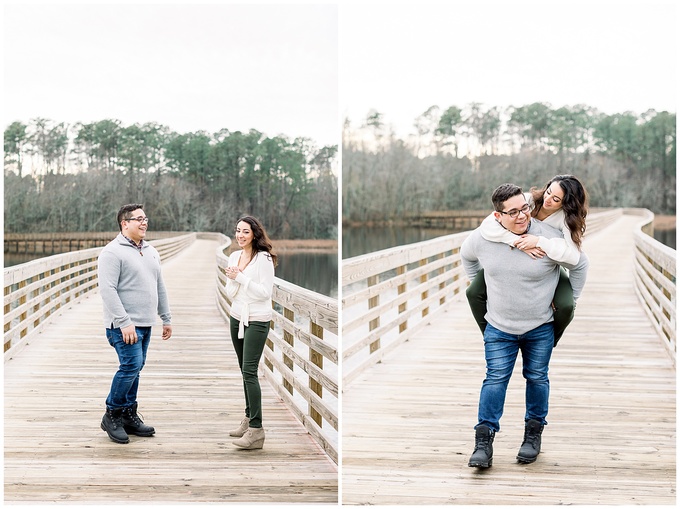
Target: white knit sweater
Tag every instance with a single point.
(251, 291)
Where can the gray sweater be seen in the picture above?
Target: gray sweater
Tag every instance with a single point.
(131, 285)
(519, 289)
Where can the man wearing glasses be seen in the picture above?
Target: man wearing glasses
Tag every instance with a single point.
(519, 317)
(133, 293)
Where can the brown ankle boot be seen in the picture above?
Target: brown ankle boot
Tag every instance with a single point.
(253, 438)
(242, 428)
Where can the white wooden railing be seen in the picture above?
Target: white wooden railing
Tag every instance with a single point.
(301, 354)
(36, 289)
(655, 272)
(389, 295)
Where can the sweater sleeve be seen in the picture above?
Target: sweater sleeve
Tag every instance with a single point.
(492, 231)
(163, 303)
(261, 289)
(108, 274)
(561, 249)
(577, 274)
(469, 259)
(232, 285)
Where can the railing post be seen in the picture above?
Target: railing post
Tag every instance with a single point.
(269, 344)
(441, 271)
(317, 359)
(288, 338)
(426, 293)
(35, 293)
(403, 306)
(375, 323)
(7, 308)
(24, 315)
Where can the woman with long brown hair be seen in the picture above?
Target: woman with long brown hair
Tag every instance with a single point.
(563, 204)
(250, 274)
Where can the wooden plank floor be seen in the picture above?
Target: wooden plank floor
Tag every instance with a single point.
(190, 391)
(408, 422)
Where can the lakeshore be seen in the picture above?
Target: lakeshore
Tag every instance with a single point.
(664, 222)
(306, 245)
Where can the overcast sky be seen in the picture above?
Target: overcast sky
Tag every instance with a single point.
(275, 67)
(613, 55)
(191, 67)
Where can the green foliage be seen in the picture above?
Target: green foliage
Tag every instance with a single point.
(14, 140)
(188, 182)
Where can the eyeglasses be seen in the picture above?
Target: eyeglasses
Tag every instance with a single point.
(141, 219)
(514, 213)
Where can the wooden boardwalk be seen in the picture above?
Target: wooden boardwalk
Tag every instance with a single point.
(611, 439)
(190, 391)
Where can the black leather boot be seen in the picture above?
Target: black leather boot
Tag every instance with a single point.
(482, 456)
(112, 423)
(531, 446)
(133, 423)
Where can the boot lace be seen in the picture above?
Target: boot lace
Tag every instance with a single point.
(134, 417)
(483, 442)
(531, 437)
(117, 421)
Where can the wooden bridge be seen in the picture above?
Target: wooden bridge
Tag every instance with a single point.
(58, 368)
(413, 364)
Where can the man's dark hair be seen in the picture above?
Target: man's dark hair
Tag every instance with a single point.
(125, 212)
(502, 193)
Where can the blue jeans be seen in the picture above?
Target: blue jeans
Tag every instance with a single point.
(132, 358)
(500, 350)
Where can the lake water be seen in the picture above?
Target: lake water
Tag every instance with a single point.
(315, 271)
(361, 240)
(667, 237)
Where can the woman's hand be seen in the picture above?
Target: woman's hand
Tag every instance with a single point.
(534, 252)
(527, 241)
(232, 272)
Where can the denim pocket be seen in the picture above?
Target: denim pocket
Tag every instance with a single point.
(112, 335)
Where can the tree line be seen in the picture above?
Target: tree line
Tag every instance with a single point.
(61, 178)
(455, 157)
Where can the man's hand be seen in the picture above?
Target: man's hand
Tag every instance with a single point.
(129, 334)
(167, 331)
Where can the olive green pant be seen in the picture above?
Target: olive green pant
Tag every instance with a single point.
(249, 351)
(563, 302)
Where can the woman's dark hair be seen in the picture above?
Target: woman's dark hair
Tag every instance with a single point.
(574, 204)
(261, 241)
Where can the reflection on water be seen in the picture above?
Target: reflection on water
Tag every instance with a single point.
(315, 271)
(666, 237)
(16, 258)
(361, 240)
